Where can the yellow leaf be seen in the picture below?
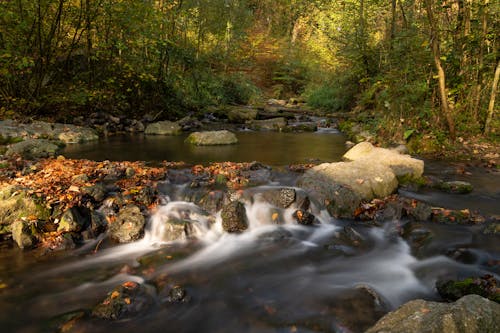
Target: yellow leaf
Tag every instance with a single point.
(275, 216)
(127, 300)
(115, 294)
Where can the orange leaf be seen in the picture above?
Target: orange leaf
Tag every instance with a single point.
(115, 294)
(130, 285)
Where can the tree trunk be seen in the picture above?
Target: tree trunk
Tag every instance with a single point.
(476, 97)
(435, 43)
(491, 105)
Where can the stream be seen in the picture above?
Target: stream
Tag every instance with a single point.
(335, 276)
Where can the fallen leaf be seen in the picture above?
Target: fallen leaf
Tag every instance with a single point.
(115, 294)
(129, 285)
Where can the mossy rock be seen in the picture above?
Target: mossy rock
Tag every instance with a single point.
(457, 187)
(485, 286)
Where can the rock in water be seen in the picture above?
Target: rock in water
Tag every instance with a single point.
(401, 165)
(33, 149)
(470, 314)
(125, 301)
(163, 128)
(128, 226)
(234, 218)
(212, 138)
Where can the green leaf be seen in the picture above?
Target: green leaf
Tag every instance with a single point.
(408, 133)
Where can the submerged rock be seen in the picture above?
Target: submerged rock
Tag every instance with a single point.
(470, 314)
(234, 218)
(128, 226)
(163, 128)
(125, 301)
(212, 138)
(458, 187)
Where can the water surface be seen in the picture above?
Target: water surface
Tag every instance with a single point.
(271, 148)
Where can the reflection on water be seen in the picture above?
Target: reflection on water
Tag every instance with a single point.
(266, 147)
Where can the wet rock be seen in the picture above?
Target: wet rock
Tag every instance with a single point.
(448, 216)
(234, 218)
(241, 115)
(125, 301)
(189, 124)
(416, 235)
(135, 126)
(420, 211)
(273, 124)
(303, 217)
(128, 226)
(485, 286)
(144, 196)
(492, 229)
(17, 206)
(163, 128)
(401, 165)
(174, 294)
(97, 192)
(32, 148)
(471, 314)
(340, 201)
(175, 230)
(74, 219)
(463, 255)
(357, 309)
(368, 179)
(280, 197)
(458, 187)
(346, 242)
(22, 234)
(302, 127)
(74, 134)
(392, 211)
(212, 138)
(98, 224)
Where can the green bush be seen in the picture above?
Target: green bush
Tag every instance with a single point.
(339, 94)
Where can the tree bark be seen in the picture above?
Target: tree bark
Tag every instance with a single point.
(435, 43)
(491, 105)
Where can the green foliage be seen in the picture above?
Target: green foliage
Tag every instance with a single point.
(339, 94)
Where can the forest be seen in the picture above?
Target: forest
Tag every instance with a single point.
(410, 68)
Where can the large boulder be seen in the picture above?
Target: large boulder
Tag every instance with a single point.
(402, 165)
(164, 128)
(340, 200)
(241, 115)
(470, 314)
(212, 138)
(32, 148)
(273, 124)
(369, 180)
(128, 226)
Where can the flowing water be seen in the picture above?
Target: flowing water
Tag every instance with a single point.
(335, 276)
